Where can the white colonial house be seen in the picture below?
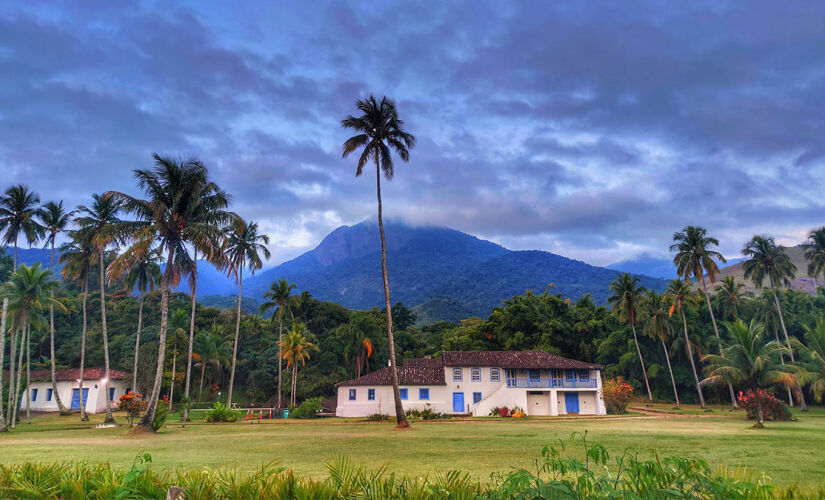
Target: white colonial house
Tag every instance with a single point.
(475, 382)
(68, 381)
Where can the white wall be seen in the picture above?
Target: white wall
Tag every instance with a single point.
(95, 401)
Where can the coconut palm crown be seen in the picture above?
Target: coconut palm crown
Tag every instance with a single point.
(815, 253)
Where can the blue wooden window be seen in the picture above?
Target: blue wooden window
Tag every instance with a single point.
(571, 375)
(534, 375)
(424, 393)
(352, 393)
(371, 394)
(584, 374)
(495, 375)
(457, 374)
(476, 397)
(49, 394)
(34, 394)
(403, 391)
(111, 393)
(475, 374)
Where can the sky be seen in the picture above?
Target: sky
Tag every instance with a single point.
(589, 129)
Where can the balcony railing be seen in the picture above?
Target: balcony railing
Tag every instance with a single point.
(549, 383)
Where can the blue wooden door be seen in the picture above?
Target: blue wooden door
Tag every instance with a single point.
(571, 402)
(76, 398)
(458, 402)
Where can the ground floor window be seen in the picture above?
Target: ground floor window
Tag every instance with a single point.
(371, 394)
(476, 397)
(352, 393)
(34, 394)
(111, 394)
(403, 392)
(424, 394)
(49, 394)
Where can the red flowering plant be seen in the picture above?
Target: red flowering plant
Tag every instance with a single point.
(760, 404)
(133, 404)
(617, 394)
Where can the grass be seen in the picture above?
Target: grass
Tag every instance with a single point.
(788, 452)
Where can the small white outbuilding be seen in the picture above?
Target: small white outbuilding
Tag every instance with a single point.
(68, 388)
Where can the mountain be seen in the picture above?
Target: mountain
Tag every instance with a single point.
(649, 265)
(801, 282)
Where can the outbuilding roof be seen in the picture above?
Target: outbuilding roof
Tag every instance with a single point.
(407, 375)
(74, 374)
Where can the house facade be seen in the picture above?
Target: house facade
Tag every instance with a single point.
(475, 382)
(68, 381)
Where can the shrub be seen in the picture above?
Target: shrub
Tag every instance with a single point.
(504, 411)
(426, 414)
(309, 408)
(772, 408)
(161, 413)
(134, 406)
(518, 414)
(222, 413)
(378, 417)
(617, 394)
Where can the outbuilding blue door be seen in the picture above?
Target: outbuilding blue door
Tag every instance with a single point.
(571, 402)
(76, 398)
(458, 402)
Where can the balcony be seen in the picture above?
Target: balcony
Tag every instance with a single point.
(550, 383)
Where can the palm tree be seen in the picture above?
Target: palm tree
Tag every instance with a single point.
(627, 298)
(730, 297)
(99, 220)
(78, 257)
(166, 221)
(243, 246)
(53, 219)
(694, 259)
(658, 327)
(278, 298)
(815, 253)
(813, 359)
(747, 360)
(213, 350)
(769, 259)
(295, 349)
(29, 291)
(380, 132)
(680, 297)
(144, 275)
(357, 335)
(178, 321)
(18, 206)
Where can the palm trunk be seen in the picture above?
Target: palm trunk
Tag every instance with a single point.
(137, 344)
(294, 377)
(3, 427)
(802, 404)
(641, 361)
(237, 334)
(83, 416)
(12, 369)
(692, 364)
(109, 418)
(60, 406)
(669, 369)
(280, 351)
(17, 385)
(185, 414)
(760, 415)
(400, 417)
(203, 372)
(172, 383)
(28, 375)
(145, 423)
(716, 331)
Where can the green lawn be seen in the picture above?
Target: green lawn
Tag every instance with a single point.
(789, 452)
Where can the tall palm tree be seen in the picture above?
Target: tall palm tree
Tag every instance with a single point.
(78, 257)
(244, 247)
(380, 132)
(295, 348)
(357, 336)
(627, 299)
(212, 350)
(99, 220)
(278, 298)
(767, 259)
(144, 275)
(18, 206)
(658, 327)
(166, 221)
(694, 259)
(730, 297)
(748, 360)
(815, 253)
(813, 358)
(680, 297)
(54, 219)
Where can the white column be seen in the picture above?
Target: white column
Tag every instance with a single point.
(554, 403)
(600, 408)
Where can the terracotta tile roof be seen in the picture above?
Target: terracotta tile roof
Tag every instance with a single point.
(424, 362)
(407, 375)
(514, 360)
(74, 374)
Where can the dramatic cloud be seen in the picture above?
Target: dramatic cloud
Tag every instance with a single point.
(594, 130)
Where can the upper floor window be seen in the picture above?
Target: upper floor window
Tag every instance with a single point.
(403, 392)
(584, 374)
(352, 393)
(571, 375)
(371, 394)
(457, 374)
(495, 375)
(475, 374)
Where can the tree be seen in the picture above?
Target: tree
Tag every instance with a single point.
(358, 336)
(680, 297)
(730, 297)
(178, 321)
(627, 298)
(213, 350)
(243, 248)
(694, 259)
(813, 358)
(658, 327)
(767, 259)
(747, 360)
(815, 253)
(78, 257)
(380, 132)
(98, 221)
(278, 298)
(18, 206)
(54, 219)
(165, 221)
(295, 349)
(143, 275)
